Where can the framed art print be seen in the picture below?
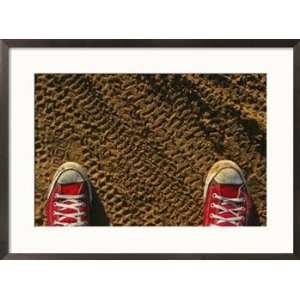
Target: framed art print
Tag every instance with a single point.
(149, 149)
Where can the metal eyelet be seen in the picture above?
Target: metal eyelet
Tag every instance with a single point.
(214, 195)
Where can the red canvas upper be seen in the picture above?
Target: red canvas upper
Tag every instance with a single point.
(227, 205)
(63, 209)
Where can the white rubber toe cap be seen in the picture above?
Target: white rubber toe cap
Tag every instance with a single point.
(224, 172)
(70, 176)
(228, 176)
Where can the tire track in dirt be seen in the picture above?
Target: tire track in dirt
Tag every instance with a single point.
(147, 141)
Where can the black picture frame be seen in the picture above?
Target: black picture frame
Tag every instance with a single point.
(6, 45)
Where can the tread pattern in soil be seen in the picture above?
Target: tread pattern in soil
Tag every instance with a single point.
(148, 141)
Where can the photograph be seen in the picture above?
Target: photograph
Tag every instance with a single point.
(133, 149)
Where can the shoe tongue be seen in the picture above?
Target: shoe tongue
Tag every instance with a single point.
(228, 190)
(72, 188)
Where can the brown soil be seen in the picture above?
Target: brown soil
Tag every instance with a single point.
(148, 141)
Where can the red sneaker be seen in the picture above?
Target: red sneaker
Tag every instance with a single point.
(69, 197)
(227, 201)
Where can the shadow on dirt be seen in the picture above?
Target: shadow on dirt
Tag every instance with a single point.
(254, 217)
(98, 214)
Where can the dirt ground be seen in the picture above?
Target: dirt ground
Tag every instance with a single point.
(148, 141)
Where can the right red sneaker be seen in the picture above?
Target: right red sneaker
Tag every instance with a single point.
(226, 199)
(69, 198)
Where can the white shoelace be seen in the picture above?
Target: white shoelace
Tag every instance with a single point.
(222, 210)
(74, 202)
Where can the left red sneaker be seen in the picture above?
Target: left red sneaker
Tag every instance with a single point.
(227, 201)
(69, 198)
